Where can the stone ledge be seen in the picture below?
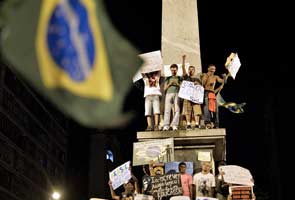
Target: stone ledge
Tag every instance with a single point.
(145, 135)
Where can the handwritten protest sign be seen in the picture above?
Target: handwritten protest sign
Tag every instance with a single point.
(157, 150)
(188, 90)
(152, 62)
(172, 167)
(166, 186)
(120, 175)
(237, 175)
(234, 66)
(167, 71)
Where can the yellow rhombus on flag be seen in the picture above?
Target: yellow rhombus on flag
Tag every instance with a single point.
(70, 52)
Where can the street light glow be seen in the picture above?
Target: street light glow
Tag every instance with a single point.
(55, 195)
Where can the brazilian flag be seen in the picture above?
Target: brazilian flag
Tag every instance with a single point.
(70, 52)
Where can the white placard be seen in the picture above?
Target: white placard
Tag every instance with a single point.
(137, 76)
(143, 197)
(167, 71)
(204, 156)
(234, 66)
(152, 62)
(194, 93)
(157, 150)
(237, 175)
(120, 175)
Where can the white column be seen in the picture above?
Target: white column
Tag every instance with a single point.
(180, 32)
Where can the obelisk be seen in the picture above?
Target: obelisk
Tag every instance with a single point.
(180, 32)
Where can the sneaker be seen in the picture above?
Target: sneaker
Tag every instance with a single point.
(197, 126)
(166, 128)
(202, 127)
(149, 128)
(208, 126)
(174, 128)
(188, 127)
(156, 128)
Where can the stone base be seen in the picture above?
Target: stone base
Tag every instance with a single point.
(187, 143)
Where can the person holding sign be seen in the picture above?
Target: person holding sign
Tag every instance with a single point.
(189, 107)
(186, 180)
(210, 106)
(171, 87)
(146, 180)
(152, 95)
(130, 189)
(221, 186)
(204, 181)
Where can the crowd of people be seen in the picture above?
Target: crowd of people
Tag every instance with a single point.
(201, 184)
(164, 109)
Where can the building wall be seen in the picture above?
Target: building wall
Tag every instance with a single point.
(33, 142)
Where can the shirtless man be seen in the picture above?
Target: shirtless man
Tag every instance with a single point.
(210, 108)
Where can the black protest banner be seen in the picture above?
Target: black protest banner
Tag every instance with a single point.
(166, 186)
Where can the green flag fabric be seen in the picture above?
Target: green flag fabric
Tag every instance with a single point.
(71, 53)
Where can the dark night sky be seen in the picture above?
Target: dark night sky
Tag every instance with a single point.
(260, 33)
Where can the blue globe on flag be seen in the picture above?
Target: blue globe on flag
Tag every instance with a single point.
(70, 40)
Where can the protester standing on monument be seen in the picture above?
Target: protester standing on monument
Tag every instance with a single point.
(186, 180)
(190, 108)
(171, 87)
(162, 102)
(210, 107)
(152, 95)
(204, 181)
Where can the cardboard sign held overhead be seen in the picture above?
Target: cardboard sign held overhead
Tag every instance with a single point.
(234, 66)
(152, 62)
(120, 175)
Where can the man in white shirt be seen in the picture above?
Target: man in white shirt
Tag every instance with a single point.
(204, 181)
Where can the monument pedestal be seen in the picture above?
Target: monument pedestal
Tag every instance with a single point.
(188, 143)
